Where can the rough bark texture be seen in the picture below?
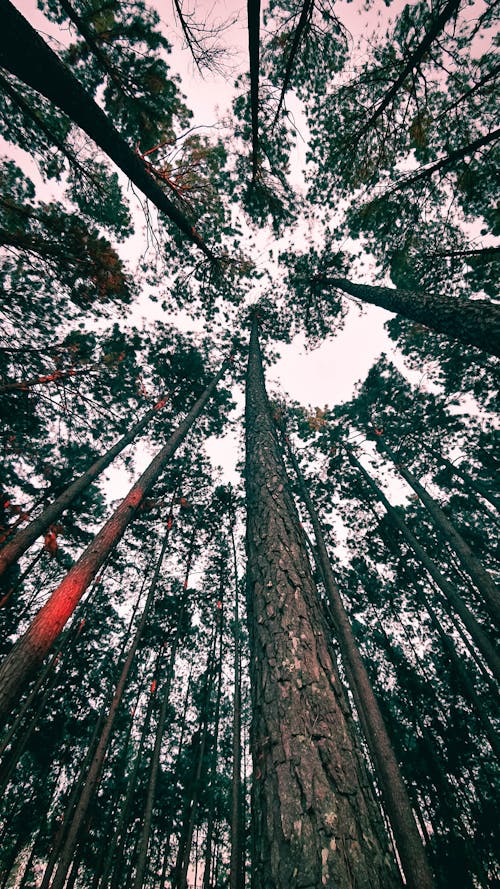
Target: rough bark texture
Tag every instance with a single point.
(31, 649)
(469, 561)
(315, 821)
(23, 540)
(27, 56)
(475, 322)
(394, 794)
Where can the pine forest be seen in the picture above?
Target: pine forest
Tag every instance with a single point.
(249, 509)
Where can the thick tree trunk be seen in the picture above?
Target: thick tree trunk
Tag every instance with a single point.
(94, 773)
(475, 322)
(31, 649)
(315, 820)
(474, 628)
(409, 845)
(23, 539)
(253, 15)
(28, 57)
(469, 561)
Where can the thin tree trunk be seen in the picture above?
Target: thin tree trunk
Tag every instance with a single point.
(235, 868)
(31, 649)
(315, 820)
(470, 692)
(168, 826)
(28, 57)
(472, 483)
(413, 61)
(469, 561)
(72, 801)
(473, 627)
(142, 855)
(23, 540)
(94, 773)
(305, 18)
(117, 842)
(475, 322)
(179, 878)
(447, 161)
(409, 845)
(215, 744)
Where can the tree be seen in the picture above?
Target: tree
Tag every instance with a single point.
(292, 668)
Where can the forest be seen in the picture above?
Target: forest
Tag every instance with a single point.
(246, 640)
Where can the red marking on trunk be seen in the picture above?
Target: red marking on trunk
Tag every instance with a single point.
(160, 404)
(153, 686)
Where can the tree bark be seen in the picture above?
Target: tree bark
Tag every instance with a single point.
(409, 845)
(315, 820)
(23, 539)
(28, 57)
(31, 649)
(475, 630)
(475, 322)
(469, 561)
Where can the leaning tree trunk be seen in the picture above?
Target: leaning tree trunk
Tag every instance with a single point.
(315, 820)
(469, 561)
(23, 540)
(474, 628)
(28, 57)
(473, 484)
(31, 649)
(94, 773)
(475, 322)
(409, 845)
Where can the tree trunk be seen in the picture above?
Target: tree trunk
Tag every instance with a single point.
(315, 820)
(413, 61)
(253, 15)
(179, 877)
(31, 649)
(475, 322)
(23, 540)
(215, 746)
(478, 574)
(465, 680)
(235, 866)
(142, 855)
(475, 630)
(28, 57)
(471, 483)
(94, 773)
(409, 845)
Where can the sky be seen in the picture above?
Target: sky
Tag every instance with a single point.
(322, 376)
